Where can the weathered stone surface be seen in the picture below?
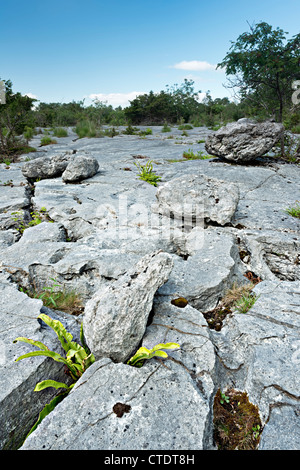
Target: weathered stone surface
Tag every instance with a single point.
(116, 316)
(244, 140)
(80, 168)
(167, 412)
(207, 273)
(46, 167)
(197, 197)
(102, 228)
(260, 349)
(20, 405)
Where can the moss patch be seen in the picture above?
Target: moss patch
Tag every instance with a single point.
(237, 425)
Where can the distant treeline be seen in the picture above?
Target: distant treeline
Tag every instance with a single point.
(175, 105)
(22, 115)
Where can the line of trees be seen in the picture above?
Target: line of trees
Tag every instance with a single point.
(262, 66)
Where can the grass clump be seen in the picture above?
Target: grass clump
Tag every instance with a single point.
(237, 298)
(294, 211)
(60, 132)
(190, 155)
(145, 132)
(147, 174)
(87, 128)
(58, 297)
(185, 127)
(237, 424)
(47, 140)
(166, 128)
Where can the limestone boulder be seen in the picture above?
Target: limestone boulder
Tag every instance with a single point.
(116, 316)
(82, 167)
(244, 140)
(197, 199)
(46, 167)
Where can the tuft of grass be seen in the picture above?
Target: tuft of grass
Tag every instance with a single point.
(294, 211)
(238, 298)
(57, 297)
(190, 155)
(166, 128)
(185, 127)
(60, 132)
(47, 140)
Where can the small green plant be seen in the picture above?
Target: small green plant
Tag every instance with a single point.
(190, 155)
(166, 128)
(185, 127)
(247, 301)
(147, 174)
(60, 132)
(294, 211)
(146, 132)
(224, 398)
(37, 217)
(28, 133)
(47, 140)
(78, 359)
(56, 296)
(143, 353)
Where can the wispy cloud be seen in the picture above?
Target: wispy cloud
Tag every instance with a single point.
(194, 65)
(116, 99)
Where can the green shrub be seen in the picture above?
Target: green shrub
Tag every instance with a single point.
(185, 127)
(28, 133)
(130, 130)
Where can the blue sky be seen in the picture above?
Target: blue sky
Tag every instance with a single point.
(65, 50)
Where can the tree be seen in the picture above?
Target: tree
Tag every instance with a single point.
(263, 65)
(15, 115)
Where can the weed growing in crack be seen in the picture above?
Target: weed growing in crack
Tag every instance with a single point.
(57, 297)
(238, 298)
(147, 174)
(143, 353)
(37, 217)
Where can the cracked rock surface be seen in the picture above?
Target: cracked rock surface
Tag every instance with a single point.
(127, 249)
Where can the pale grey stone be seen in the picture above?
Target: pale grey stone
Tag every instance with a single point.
(166, 412)
(80, 168)
(46, 167)
(198, 197)
(116, 316)
(244, 140)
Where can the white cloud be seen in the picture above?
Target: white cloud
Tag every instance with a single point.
(195, 65)
(116, 99)
(31, 95)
